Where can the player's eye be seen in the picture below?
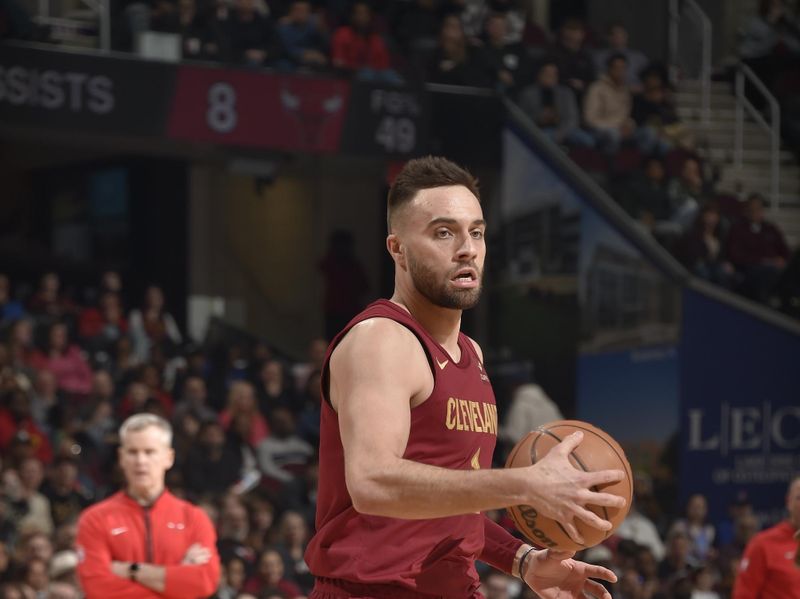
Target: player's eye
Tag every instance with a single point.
(443, 233)
(477, 234)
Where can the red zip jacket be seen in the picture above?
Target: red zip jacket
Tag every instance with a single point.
(119, 529)
(767, 570)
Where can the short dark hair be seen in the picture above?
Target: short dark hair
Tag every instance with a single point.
(615, 57)
(426, 173)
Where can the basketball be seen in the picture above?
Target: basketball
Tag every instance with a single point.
(597, 451)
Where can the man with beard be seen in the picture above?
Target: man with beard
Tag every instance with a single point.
(409, 425)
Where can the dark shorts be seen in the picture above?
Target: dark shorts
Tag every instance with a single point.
(326, 588)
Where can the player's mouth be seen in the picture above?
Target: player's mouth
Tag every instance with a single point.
(466, 278)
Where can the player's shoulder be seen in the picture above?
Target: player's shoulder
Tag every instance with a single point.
(475, 345)
(102, 508)
(378, 336)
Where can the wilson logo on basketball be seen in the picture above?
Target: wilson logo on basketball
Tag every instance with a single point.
(529, 516)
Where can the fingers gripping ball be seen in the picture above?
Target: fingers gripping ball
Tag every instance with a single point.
(597, 451)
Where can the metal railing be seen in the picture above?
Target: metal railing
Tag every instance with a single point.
(773, 127)
(690, 9)
(101, 9)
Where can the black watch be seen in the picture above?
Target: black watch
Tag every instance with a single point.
(132, 570)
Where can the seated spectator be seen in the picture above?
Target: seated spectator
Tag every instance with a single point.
(617, 43)
(293, 536)
(242, 405)
(67, 496)
(505, 66)
(262, 519)
(309, 418)
(184, 19)
(553, 108)
(359, 50)
(283, 455)
(607, 109)
(702, 249)
(31, 506)
(65, 360)
(20, 343)
(138, 397)
(213, 466)
(152, 325)
(699, 531)
(250, 35)
(48, 299)
(530, 408)
(152, 377)
(10, 309)
(46, 401)
(644, 196)
(269, 577)
(233, 530)
(770, 44)
(17, 426)
(687, 193)
(194, 401)
(575, 64)
(304, 41)
(232, 579)
(101, 327)
(454, 60)
(653, 110)
(274, 390)
(678, 561)
(758, 250)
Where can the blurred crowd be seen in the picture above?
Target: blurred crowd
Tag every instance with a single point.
(75, 362)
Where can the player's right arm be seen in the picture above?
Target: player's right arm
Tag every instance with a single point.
(94, 567)
(752, 572)
(376, 373)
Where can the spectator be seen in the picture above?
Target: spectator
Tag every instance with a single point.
(770, 44)
(194, 401)
(698, 530)
(101, 327)
(17, 426)
(303, 38)
(653, 110)
(213, 466)
(678, 561)
(553, 108)
(497, 585)
(138, 396)
(152, 377)
(65, 360)
(62, 590)
(233, 578)
(269, 577)
(233, 531)
(10, 309)
(687, 193)
(48, 300)
(645, 196)
(262, 518)
(35, 577)
(506, 66)
(20, 342)
(31, 508)
(360, 50)
(292, 541)
(575, 65)
(758, 250)
(46, 401)
(273, 389)
(417, 25)
(617, 43)
(242, 405)
(702, 249)
(308, 420)
(250, 34)
(454, 60)
(607, 109)
(283, 455)
(67, 496)
(152, 325)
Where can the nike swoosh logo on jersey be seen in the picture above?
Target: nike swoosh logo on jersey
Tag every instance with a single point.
(118, 531)
(442, 364)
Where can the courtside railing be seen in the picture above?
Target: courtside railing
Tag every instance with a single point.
(686, 21)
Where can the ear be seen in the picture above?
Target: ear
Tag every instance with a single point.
(171, 458)
(397, 250)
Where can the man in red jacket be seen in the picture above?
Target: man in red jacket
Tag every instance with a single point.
(144, 542)
(770, 568)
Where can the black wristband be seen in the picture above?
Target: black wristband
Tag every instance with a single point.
(133, 569)
(522, 562)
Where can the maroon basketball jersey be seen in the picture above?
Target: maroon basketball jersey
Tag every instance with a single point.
(456, 428)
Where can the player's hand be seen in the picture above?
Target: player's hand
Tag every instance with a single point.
(197, 555)
(555, 575)
(562, 491)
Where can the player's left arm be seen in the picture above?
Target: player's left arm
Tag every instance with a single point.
(501, 549)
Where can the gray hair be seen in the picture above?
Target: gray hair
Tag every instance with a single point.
(140, 422)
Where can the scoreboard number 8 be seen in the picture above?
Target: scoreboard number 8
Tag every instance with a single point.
(221, 114)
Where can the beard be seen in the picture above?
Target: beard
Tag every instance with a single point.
(440, 293)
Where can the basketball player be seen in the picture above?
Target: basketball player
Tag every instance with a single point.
(409, 425)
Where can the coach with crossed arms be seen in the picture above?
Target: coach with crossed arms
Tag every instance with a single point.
(143, 542)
